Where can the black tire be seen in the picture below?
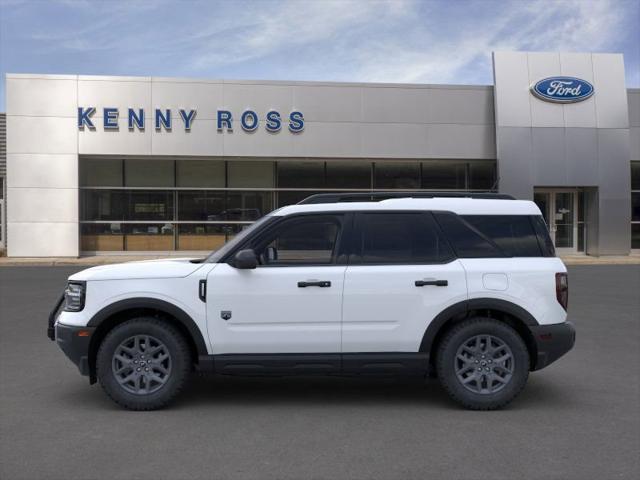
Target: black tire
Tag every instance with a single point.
(175, 363)
(484, 391)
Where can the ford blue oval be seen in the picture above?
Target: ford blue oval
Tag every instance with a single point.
(562, 89)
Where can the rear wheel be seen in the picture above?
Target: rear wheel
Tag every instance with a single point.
(482, 363)
(143, 364)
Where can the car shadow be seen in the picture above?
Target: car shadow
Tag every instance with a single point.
(221, 391)
(348, 391)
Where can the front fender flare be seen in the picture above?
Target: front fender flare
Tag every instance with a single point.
(155, 304)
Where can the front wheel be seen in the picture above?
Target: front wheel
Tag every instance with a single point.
(143, 363)
(483, 363)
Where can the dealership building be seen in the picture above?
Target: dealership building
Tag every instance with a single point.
(169, 165)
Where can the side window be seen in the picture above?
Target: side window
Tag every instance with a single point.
(305, 240)
(514, 234)
(466, 241)
(401, 238)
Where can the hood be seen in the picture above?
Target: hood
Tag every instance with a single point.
(165, 268)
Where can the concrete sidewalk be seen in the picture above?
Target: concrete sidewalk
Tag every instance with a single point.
(93, 260)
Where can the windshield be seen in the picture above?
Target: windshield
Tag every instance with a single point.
(215, 256)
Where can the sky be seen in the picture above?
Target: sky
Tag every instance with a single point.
(403, 41)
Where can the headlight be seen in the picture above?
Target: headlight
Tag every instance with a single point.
(74, 296)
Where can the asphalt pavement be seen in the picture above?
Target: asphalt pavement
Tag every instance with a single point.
(577, 419)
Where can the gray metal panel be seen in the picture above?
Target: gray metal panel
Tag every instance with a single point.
(510, 72)
(515, 175)
(396, 105)
(544, 114)
(174, 94)
(120, 94)
(549, 156)
(613, 162)
(461, 106)
(260, 98)
(582, 156)
(634, 143)
(581, 114)
(394, 140)
(461, 141)
(633, 97)
(614, 226)
(612, 109)
(329, 103)
(44, 97)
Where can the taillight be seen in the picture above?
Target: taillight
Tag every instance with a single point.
(562, 289)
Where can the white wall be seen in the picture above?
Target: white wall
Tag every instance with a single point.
(42, 166)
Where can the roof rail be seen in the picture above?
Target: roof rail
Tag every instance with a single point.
(342, 197)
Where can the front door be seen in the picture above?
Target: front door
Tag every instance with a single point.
(290, 303)
(559, 208)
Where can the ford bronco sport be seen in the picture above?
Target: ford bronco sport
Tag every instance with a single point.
(465, 287)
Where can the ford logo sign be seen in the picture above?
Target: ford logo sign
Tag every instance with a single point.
(562, 89)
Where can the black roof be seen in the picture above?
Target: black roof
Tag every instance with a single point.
(341, 197)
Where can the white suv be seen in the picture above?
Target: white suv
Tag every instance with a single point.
(467, 288)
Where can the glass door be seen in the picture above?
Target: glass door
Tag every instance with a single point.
(559, 209)
(564, 219)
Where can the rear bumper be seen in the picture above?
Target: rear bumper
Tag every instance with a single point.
(74, 342)
(552, 342)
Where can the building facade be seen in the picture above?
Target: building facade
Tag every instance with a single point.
(142, 164)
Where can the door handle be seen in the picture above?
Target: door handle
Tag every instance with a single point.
(314, 283)
(437, 283)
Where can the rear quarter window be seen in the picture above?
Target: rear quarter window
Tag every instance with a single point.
(483, 236)
(513, 234)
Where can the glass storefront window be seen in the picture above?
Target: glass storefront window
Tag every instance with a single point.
(291, 198)
(95, 237)
(202, 205)
(148, 237)
(149, 173)
(635, 235)
(355, 174)
(300, 174)
(482, 176)
(250, 174)
(247, 206)
(150, 205)
(635, 175)
(635, 206)
(200, 173)
(193, 236)
(397, 175)
(101, 172)
(119, 193)
(447, 175)
(103, 205)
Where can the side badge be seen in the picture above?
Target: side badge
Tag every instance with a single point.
(225, 314)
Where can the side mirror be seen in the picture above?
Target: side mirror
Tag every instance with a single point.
(245, 260)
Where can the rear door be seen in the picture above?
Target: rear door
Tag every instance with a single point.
(401, 274)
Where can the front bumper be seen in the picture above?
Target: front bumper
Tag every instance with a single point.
(552, 342)
(74, 342)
